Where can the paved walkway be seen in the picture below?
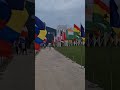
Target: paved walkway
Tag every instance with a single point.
(18, 75)
(53, 71)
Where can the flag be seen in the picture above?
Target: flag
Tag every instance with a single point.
(37, 30)
(40, 30)
(42, 34)
(40, 38)
(37, 46)
(18, 20)
(82, 31)
(69, 35)
(100, 5)
(63, 35)
(70, 31)
(76, 28)
(114, 16)
(8, 34)
(39, 23)
(101, 9)
(5, 48)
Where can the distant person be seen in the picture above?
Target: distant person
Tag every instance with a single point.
(20, 47)
(24, 48)
(44, 45)
(17, 46)
(49, 45)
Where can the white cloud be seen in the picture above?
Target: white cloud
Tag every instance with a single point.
(58, 4)
(55, 12)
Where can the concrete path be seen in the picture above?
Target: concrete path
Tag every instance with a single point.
(19, 74)
(53, 71)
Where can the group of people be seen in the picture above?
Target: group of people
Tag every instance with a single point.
(21, 47)
(49, 45)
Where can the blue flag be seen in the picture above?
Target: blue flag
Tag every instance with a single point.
(39, 23)
(114, 16)
(82, 31)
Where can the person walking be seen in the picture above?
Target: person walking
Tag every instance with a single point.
(49, 45)
(23, 47)
(20, 47)
(17, 46)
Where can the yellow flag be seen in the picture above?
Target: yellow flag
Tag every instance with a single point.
(18, 20)
(42, 34)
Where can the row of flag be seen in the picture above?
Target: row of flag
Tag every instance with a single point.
(104, 14)
(70, 34)
(13, 16)
(40, 33)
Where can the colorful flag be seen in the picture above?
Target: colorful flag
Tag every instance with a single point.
(101, 9)
(70, 31)
(76, 28)
(41, 29)
(69, 35)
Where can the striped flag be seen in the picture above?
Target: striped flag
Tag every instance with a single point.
(100, 9)
(76, 28)
(70, 31)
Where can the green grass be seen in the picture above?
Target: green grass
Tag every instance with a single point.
(76, 53)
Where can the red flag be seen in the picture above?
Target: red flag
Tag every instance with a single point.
(102, 5)
(63, 36)
(5, 49)
(37, 46)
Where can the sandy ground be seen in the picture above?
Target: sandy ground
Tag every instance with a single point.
(53, 71)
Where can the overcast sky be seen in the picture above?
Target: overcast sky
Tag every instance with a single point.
(61, 12)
